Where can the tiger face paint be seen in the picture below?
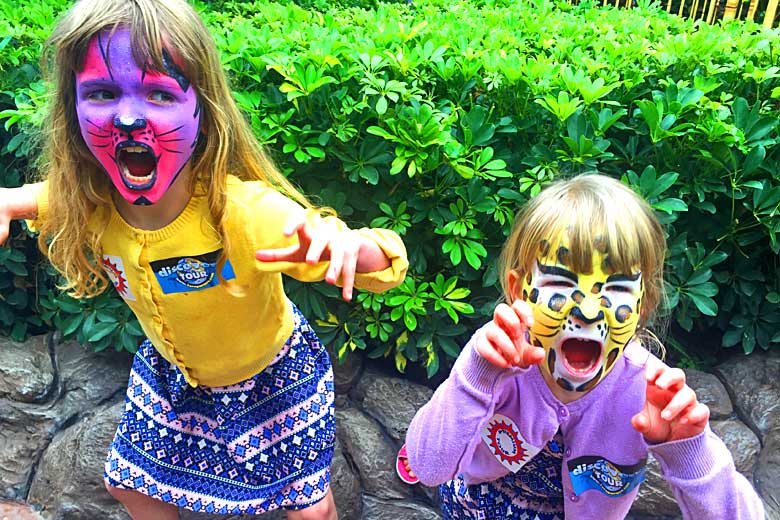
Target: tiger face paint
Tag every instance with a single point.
(582, 320)
(140, 124)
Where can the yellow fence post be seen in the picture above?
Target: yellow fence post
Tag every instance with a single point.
(751, 15)
(771, 11)
(731, 9)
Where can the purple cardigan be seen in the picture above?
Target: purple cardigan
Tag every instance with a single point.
(484, 422)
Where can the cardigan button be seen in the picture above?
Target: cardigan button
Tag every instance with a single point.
(574, 498)
(568, 452)
(563, 412)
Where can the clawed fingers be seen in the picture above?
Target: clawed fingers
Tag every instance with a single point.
(277, 255)
(295, 224)
(500, 349)
(697, 416)
(681, 401)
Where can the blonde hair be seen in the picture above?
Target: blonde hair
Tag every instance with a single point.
(594, 212)
(77, 181)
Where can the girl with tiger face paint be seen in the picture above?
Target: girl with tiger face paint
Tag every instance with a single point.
(553, 407)
(591, 283)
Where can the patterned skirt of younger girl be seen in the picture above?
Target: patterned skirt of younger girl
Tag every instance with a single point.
(262, 444)
(533, 493)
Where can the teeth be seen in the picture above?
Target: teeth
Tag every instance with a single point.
(134, 149)
(133, 178)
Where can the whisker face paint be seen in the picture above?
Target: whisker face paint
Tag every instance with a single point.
(582, 320)
(123, 109)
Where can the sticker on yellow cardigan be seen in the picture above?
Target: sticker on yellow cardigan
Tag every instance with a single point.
(502, 436)
(613, 480)
(115, 268)
(190, 273)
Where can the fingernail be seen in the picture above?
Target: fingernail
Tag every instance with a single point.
(527, 337)
(666, 415)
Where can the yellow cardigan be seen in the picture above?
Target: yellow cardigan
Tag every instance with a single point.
(168, 278)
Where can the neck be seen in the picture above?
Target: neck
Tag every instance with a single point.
(163, 212)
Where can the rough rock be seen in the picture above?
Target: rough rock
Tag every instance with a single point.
(372, 454)
(753, 382)
(73, 465)
(391, 401)
(710, 391)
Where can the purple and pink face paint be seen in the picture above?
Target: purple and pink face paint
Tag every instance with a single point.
(140, 124)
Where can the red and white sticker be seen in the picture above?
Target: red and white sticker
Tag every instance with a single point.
(115, 269)
(502, 436)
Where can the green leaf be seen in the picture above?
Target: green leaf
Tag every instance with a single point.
(705, 305)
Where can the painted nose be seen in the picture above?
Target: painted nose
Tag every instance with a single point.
(588, 311)
(129, 125)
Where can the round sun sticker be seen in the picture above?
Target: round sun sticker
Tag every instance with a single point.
(502, 436)
(506, 443)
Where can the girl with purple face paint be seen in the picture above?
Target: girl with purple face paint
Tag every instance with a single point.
(156, 185)
(553, 406)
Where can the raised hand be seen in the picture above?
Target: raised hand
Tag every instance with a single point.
(15, 203)
(504, 341)
(671, 410)
(319, 244)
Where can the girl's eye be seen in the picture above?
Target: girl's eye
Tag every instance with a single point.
(100, 95)
(159, 96)
(618, 288)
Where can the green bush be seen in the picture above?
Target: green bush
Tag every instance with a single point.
(438, 119)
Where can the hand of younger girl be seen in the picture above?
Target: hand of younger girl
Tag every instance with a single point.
(671, 410)
(504, 340)
(342, 248)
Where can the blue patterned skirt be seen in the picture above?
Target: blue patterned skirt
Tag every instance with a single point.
(533, 493)
(262, 444)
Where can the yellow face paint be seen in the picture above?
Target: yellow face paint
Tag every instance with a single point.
(582, 320)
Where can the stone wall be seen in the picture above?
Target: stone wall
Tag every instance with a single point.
(59, 406)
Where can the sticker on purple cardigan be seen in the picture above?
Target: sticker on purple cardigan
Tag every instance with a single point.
(592, 472)
(502, 436)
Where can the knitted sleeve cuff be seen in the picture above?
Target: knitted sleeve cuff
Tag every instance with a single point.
(40, 191)
(393, 248)
(693, 458)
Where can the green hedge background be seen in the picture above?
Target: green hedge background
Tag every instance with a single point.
(438, 119)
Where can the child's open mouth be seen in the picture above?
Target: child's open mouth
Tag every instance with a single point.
(137, 164)
(581, 356)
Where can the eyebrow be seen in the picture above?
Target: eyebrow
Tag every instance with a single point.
(558, 271)
(620, 277)
(97, 82)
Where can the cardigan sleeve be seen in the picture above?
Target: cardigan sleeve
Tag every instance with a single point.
(704, 480)
(445, 433)
(269, 214)
(41, 192)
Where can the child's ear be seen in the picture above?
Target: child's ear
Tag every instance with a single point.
(515, 284)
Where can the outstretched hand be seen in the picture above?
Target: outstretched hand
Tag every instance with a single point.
(320, 244)
(671, 410)
(504, 341)
(15, 203)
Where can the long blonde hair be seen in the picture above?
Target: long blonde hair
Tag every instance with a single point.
(78, 186)
(593, 211)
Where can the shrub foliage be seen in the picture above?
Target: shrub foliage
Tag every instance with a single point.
(438, 119)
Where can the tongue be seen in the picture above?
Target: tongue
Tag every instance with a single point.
(581, 354)
(139, 164)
